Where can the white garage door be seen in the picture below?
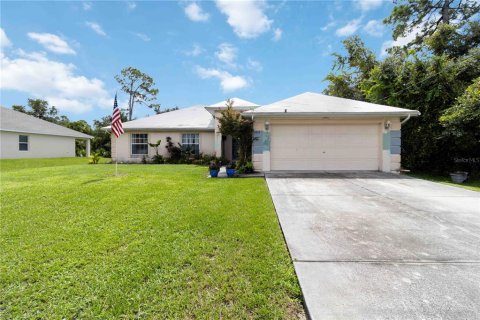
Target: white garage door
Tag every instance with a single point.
(325, 147)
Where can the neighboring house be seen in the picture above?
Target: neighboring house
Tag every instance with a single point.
(307, 132)
(24, 136)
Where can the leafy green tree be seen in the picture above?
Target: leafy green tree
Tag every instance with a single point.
(80, 145)
(19, 108)
(39, 108)
(431, 83)
(462, 120)
(139, 87)
(425, 17)
(350, 70)
(240, 129)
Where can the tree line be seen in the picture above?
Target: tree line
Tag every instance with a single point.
(137, 85)
(437, 73)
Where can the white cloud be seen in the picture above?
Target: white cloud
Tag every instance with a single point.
(4, 41)
(52, 42)
(254, 65)
(131, 5)
(196, 51)
(228, 82)
(227, 54)
(195, 13)
(87, 6)
(328, 26)
(247, 18)
(350, 28)
(367, 5)
(96, 27)
(374, 28)
(142, 36)
(277, 34)
(54, 81)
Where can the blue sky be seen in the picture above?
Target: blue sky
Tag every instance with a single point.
(198, 52)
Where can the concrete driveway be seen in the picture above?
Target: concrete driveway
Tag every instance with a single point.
(381, 246)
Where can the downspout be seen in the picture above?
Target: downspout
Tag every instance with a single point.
(406, 119)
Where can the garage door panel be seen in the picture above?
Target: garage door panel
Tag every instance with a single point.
(325, 147)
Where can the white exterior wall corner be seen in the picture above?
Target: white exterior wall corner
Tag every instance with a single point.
(39, 146)
(257, 158)
(395, 159)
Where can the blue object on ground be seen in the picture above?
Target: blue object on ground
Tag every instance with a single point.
(230, 172)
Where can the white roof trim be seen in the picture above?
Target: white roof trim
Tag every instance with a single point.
(315, 104)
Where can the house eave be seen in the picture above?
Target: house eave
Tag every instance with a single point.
(164, 129)
(47, 134)
(412, 113)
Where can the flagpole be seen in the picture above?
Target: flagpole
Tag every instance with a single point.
(116, 161)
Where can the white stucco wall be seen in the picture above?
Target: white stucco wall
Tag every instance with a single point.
(123, 147)
(39, 146)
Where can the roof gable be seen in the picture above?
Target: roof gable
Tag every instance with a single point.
(195, 117)
(237, 103)
(14, 121)
(315, 103)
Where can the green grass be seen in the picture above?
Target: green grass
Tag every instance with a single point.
(469, 184)
(159, 241)
(8, 165)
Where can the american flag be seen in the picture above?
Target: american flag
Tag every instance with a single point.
(117, 126)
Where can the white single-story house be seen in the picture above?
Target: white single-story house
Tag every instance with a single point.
(306, 132)
(25, 136)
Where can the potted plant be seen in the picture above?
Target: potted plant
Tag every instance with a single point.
(459, 176)
(231, 169)
(214, 168)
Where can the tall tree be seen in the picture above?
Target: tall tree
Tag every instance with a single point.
(39, 108)
(140, 88)
(425, 17)
(350, 70)
(231, 123)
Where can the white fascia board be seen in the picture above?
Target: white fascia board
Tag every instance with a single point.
(413, 113)
(86, 136)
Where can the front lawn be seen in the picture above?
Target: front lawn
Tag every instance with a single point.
(159, 241)
(470, 184)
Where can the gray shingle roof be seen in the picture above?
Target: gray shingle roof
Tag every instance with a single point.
(14, 121)
(310, 103)
(192, 118)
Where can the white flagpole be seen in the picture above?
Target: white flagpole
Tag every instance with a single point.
(116, 161)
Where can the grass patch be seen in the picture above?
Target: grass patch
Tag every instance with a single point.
(469, 184)
(160, 241)
(18, 164)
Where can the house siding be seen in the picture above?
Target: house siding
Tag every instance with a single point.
(39, 146)
(121, 147)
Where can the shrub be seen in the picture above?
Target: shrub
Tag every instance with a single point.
(214, 165)
(158, 159)
(175, 152)
(231, 165)
(246, 168)
(95, 157)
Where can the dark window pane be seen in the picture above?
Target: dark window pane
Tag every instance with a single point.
(139, 149)
(22, 138)
(23, 146)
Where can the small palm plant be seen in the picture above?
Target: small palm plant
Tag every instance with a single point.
(95, 157)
